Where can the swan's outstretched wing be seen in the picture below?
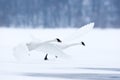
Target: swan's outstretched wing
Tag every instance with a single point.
(81, 31)
(22, 52)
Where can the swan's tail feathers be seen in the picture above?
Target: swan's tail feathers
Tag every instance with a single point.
(83, 43)
(58, 40)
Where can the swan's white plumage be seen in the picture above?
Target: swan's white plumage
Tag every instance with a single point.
(78, 33)
(49, 47)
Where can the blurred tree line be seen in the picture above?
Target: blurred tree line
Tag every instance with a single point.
(59, 13)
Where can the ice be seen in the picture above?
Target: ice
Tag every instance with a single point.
(98, 60)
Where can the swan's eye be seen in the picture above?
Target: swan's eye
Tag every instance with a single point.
(58, 40)
(83, 43)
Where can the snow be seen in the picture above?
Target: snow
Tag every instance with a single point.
(98, 60)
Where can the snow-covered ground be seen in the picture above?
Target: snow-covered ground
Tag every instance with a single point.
(98, 60)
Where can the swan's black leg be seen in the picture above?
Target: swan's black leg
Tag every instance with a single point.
(46, 58)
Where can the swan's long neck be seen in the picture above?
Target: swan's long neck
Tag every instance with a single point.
(54, 40)
(49, 41)
(70, 45)
(34, 45)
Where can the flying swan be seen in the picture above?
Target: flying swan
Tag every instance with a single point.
(56, 46)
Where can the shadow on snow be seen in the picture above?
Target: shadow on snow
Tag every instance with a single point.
(87, 76)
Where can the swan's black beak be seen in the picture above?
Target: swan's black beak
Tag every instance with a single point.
(58, 40)
(83, 43)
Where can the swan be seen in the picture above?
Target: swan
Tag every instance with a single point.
(56, 46)
(34, 45)
(24, 49)
(54, 49)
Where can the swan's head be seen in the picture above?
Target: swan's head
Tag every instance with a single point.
(58, 40)
(83, 43)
